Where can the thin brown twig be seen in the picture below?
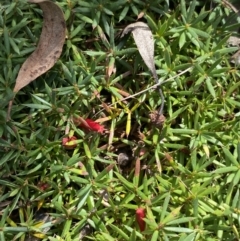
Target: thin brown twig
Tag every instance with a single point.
(151, 87)
(229, 5)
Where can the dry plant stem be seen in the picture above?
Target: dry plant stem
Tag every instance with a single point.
(160, 112)
(162, 102)
(229, 5)
(152, 87)
(67, 129)
(9, 110)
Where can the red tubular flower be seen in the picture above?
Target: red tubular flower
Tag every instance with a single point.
(89, 125)
(69, 143)
(140, 215)
(94, 126)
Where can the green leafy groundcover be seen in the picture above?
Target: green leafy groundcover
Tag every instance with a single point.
(189, 175)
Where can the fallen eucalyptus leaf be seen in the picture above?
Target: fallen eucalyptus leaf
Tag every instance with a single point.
(144, 40)
(49, 46)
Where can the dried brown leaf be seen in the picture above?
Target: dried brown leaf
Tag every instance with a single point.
(49, 46)
(144, 40)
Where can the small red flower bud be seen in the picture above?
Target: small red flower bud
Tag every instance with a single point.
(140, 215)
(43, 186)
(69, 143)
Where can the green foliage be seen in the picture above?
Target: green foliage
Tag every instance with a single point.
(190, 168)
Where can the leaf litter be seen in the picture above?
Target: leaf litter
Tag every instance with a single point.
(144, 40)
(49, 47)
